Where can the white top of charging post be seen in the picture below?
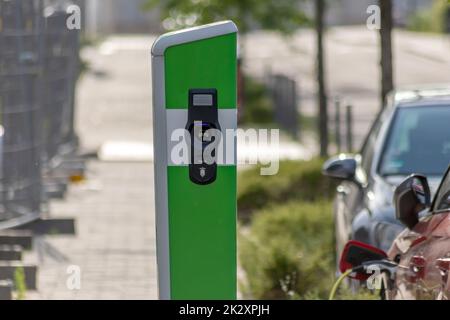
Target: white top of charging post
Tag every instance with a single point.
(192, 34)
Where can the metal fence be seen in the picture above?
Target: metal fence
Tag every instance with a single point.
(343, 126)
(20, 63)
(283, 91)
(61, 68)
(38, 70)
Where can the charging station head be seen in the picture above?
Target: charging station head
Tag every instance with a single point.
(202, 120)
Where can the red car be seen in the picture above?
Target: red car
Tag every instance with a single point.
(417, 266)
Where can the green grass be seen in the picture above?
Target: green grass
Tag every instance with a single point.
(19, 283)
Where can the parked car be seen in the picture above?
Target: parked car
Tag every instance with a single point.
(411, 135)
(423, 250)
(417, 265)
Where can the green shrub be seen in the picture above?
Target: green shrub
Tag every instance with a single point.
(258, 106)
(296, 180)
(430, 20)
(308, 123)
(288, 251)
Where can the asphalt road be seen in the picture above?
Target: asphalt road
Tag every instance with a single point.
(352, 65)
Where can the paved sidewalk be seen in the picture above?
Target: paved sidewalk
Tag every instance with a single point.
(115, 241)
(114, 245)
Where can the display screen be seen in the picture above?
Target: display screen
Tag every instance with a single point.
(202, 100)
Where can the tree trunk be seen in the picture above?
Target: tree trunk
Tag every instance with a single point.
(387, 78)
(323, 116)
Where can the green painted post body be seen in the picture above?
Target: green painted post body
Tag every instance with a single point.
(202, 235)
(208, 63)
(201, 218)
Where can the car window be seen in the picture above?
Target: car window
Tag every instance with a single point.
(418, 142)
(442, 200)
(368, 149)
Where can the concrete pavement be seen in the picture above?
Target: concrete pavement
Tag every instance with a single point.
(115, 242)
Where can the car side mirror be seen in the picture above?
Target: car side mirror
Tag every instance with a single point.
(411, 197)
(341, 167)
(356, 253)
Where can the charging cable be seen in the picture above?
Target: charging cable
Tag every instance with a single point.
(385, 266)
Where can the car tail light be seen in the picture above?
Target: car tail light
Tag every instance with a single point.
(443, 264)
(417, 266)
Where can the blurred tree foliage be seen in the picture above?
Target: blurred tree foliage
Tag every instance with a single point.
(284, 16)
(281, 15)
(258, 104)
(431, 20)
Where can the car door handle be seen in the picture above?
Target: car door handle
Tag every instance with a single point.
(343, 190)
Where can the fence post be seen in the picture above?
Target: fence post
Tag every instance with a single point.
(337, 124)
(283, 92)
(349, 121)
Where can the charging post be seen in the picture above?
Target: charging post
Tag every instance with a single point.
(194, 75)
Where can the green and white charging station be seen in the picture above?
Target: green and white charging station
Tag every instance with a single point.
(195, 88)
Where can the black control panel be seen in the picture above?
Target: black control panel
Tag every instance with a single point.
(202, 122)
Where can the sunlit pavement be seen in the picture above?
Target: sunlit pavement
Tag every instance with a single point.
(115, 241)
